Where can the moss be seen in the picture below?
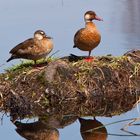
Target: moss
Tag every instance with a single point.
(21, 66)
(28, 64)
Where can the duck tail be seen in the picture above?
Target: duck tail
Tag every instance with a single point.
(12, 57)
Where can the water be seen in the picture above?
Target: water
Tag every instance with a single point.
(61, 19)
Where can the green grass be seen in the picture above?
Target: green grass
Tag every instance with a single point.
(28, 64)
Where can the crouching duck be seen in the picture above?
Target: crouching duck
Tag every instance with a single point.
(33, 48)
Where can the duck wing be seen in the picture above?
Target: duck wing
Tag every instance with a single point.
(29, 43)
(76, 36)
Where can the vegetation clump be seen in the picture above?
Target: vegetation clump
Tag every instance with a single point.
(106, 86)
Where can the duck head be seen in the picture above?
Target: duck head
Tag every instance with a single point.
(39, 34)
(91, 15)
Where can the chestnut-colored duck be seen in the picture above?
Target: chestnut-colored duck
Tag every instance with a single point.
(33, 48)
(86, 39)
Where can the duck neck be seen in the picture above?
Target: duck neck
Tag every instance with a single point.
(90, 24)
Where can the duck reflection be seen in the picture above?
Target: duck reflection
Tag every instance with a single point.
(91, 129)
(43, 129)
(36, 131)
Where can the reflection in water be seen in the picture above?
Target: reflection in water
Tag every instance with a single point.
(127, 22)
(43, 129)
(131, 17)
(131, 23)
(92, 129)
(36, 131)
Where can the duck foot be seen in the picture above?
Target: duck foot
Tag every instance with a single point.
(89, 59)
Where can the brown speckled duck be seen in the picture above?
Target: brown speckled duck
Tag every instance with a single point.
(34, 48)
(86, 39)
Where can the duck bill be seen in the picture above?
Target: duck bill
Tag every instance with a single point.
(48, 37)
(98, 18)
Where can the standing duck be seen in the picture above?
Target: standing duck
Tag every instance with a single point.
(33, 48)
(86, 39)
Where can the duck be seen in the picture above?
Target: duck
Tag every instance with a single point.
(88, 38)
(34, 48)
(92, 129)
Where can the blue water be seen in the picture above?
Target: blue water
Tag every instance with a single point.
(60, 19)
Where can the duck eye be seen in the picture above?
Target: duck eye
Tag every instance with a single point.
(42, 33)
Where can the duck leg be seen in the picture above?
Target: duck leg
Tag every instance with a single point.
(89, 54)
(89, 58)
